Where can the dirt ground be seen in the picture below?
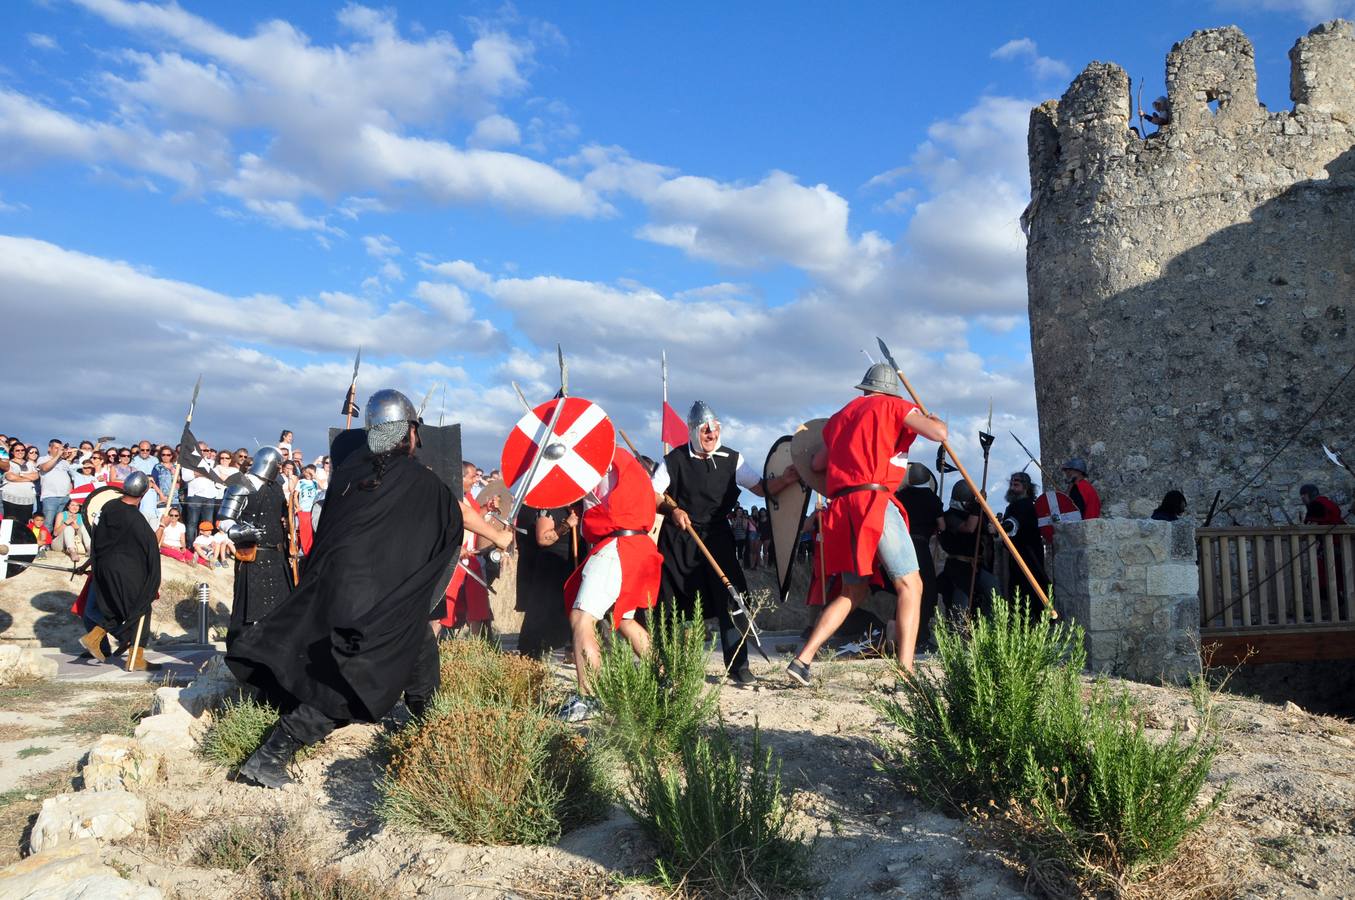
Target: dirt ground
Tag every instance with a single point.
(1285, 829)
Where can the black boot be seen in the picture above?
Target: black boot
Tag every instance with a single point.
(267, 766)
(417, 706)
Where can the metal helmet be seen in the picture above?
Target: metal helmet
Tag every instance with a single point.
(389, 413)
(266, 464)
(136, 484)
(701, 414)
(960, 495)
(881, 379)
(918, 474)
(1077, 464)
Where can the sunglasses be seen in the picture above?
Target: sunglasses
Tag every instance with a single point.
(173, 515)
(124, 456)
(166, 455)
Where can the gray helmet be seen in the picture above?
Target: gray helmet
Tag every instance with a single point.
(266, 464)
(881, 379)
(700, 414)
(918, 474)
(1077, 464)
(389, 413)
(961, 494)
(136, 484)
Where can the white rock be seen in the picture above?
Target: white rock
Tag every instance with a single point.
(71, 871)
(103, 815)
(168, 733)
(116, 762)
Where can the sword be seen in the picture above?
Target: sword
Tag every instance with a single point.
(443, 411)
(564, 371)
(424, 405)
(521, 397)
(740, 609)
(521, 495)
(983, 502)
(72, 571)
(483, 583)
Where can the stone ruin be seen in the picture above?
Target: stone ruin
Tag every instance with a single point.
(1191, 291)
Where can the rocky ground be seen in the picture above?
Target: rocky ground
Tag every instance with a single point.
(1286, 827)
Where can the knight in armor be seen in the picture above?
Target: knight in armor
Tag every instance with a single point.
(125, 562)
(963, 519)
(353, 637)
(702, 480)
(1022, 525)
(253, 515)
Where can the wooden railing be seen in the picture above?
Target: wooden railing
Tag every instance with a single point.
(1270, 579)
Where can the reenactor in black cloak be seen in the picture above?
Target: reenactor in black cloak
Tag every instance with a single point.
(125, 562)
(1023, 527)
(548, 553)
(957, 539)
(254, 516)
(353, 637)
(703, 479)
(926, 519)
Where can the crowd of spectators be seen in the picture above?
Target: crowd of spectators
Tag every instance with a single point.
(45, 492)
(752, 536)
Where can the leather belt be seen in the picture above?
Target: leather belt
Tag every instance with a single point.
(280, 548)
(968, 559)
(626, 532)
(859, 487)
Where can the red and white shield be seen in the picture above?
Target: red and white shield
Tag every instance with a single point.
(1062, 509)
(573, 459)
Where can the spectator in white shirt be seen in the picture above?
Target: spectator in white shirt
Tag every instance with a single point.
(54, 478)
(170, 535)
(20, 490)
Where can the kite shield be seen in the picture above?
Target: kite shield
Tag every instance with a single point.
(787, 512)
(807, 441)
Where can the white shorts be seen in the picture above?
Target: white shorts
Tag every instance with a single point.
(600, 583)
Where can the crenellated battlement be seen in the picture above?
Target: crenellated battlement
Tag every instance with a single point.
(1192, 288)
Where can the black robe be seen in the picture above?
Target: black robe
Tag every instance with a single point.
(126, 567)
(542, 572)
(347, 639)
(706, 490)
(264, 583)
(1030, 545)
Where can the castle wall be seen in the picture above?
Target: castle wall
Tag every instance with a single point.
(1191, 293)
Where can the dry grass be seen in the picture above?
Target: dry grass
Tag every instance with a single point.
(477, 673)
(17, 811)
(491, 775)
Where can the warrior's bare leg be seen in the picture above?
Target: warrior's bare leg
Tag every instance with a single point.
(634, 632)
(831, 619)
(587, 656)
(908, 612)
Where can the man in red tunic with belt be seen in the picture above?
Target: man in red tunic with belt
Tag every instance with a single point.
(865, 528)
(621, 572)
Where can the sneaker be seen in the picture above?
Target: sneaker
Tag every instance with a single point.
(799, 672)
(578, 709)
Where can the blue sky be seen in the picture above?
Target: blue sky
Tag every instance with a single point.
(254, 189)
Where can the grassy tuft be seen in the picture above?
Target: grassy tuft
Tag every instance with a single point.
(657, 704)
(491, 775)
(720, 819)
(476, 672)
(1003, 722)
(237, 730)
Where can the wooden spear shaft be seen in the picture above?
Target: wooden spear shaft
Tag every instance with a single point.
(988, 510)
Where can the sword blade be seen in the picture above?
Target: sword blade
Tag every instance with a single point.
(564, 371)
(357, 361)
(521, 397)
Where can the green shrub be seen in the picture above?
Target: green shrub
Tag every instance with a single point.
(237, 730)
(656, 704)
(1003, 719)
(491, 775)
(720, 819)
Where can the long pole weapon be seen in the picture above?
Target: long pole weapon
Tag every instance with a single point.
(739, 608)
(564, 392)
(291, 536)
(352, 391)
(663, 412)
(522, 398)
(983, 502)
(986, 442)
(173, 488)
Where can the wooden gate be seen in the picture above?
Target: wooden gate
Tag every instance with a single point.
(1285, 594)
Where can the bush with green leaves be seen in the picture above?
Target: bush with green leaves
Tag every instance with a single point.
(1002, 718)
(657, 703)
(237, 730)
(720, 819)
(485, 774)
(477, 672)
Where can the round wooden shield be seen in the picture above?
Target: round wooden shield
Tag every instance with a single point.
(573, 458)
(93, 507)
(804, 443)
(495, 497)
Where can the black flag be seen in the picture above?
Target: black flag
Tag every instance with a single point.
(350, 405)
(190, 458)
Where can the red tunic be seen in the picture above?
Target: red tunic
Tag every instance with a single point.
(867, 443)
(623, 502)
(467, 599)
(1323, 511)
(1091, 501)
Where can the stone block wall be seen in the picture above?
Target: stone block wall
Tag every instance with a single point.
(1134, 587)
(1192, 290)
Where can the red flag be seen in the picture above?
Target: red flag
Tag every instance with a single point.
(674, 428)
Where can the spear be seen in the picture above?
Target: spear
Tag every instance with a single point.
(663, 412)
(564, 371)
(351, 403)
(521, 397)
(983, 502)
(443, 411)
(986, 442)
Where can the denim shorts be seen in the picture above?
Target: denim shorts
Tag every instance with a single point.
(895, 552)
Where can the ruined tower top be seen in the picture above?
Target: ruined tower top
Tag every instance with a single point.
(1191, 288)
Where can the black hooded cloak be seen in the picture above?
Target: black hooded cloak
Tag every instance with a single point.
(126, 564)
(346, 640)
(264, 583)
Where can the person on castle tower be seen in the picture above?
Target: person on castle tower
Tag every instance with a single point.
(1084, 496)
(1318, 509)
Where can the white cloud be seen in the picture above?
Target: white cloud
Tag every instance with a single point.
(380, 246)
(1042, 67)
(462, 272)
(495, 131)
(42, 41)
(11, 207)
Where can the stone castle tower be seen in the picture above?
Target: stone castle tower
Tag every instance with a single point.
(1191, 292)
